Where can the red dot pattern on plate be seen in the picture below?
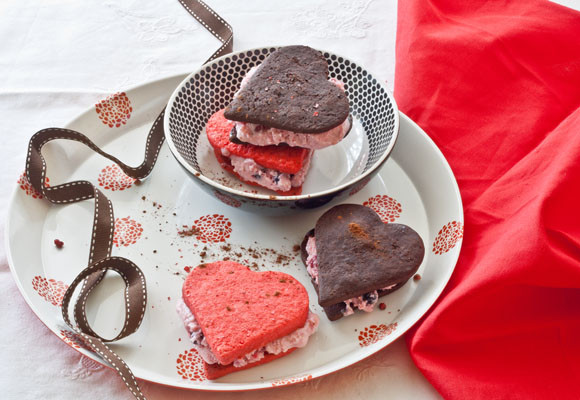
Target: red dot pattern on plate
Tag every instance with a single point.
(190, 366)
(224, 198)
(115, 110)
(49, 289)
(284, 382)
(448, 237)
(27, 187)
(127, 231)
(113, 178)
(213, 228)
(386, 207)
(73, 340)
(373, 333)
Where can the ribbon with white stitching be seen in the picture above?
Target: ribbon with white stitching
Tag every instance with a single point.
(100, 260)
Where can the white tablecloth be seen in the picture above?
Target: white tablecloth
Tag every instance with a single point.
(59, 57)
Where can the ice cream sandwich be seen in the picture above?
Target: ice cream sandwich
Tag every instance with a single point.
(353, 258)
(278, 168)
(238, 318)
(289, 99)
(286, 108)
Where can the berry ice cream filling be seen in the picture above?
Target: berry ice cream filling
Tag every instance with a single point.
(366, 302)
(251, 171)
(298, 338)
(260, 135)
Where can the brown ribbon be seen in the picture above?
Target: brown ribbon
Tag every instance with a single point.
(100, 260)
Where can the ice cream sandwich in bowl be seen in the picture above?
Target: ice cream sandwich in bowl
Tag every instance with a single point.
(279, 129)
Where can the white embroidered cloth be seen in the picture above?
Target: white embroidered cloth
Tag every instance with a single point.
(60, 57)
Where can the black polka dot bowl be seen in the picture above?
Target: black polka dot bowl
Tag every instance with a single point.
(336, 172)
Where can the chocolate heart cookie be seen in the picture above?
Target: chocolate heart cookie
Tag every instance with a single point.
(354, 258)
(291, 91)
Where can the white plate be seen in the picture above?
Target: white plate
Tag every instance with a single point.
(415, 187)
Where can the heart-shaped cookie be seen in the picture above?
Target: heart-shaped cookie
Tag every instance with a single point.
(358, 253)
(240, 310)
(291, 91)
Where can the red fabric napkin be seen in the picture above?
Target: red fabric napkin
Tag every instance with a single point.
(497, 87)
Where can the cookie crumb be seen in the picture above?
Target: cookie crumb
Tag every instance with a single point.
(58, 243)
(188, 232)
(417, 277)
(382, 306)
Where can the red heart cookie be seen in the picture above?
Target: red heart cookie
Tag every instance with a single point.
(240, 310)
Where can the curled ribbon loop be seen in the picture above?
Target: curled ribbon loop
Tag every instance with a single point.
(100, 260)
(135, 294)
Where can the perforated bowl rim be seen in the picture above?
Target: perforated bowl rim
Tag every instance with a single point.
(276, 197)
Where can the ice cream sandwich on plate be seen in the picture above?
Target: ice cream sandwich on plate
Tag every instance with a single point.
(353, 258)
(238, 318)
